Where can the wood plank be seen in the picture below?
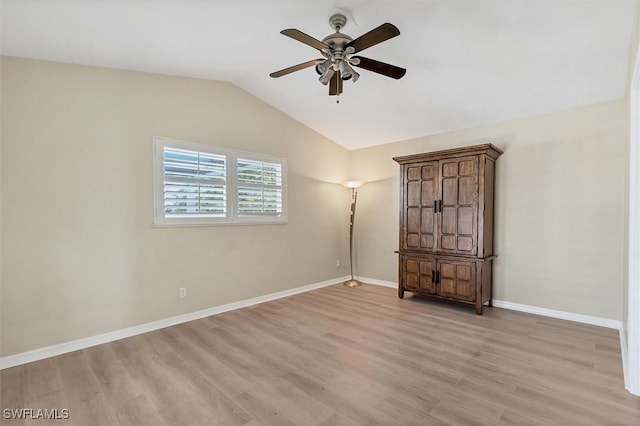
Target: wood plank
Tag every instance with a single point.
(13, 394)
(87, 402)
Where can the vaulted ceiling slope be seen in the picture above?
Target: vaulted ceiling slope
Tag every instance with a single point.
(469, 62)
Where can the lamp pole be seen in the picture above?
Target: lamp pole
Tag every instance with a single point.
(354, 197)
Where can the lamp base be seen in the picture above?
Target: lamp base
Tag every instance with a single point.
(352, 283)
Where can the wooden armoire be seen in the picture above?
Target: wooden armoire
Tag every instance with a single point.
(446, 224)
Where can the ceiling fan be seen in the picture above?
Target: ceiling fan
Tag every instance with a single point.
(338, 51)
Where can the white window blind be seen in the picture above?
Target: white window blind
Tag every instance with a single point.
(194, 183)
(259, 187)
(200, 184)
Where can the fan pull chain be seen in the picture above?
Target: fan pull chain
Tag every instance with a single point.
(337, 99)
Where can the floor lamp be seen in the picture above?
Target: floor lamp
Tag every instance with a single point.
(353, 184)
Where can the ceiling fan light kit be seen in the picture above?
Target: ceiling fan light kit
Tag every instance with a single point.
(338, 52)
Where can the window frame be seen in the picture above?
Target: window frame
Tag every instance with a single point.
(231, 186)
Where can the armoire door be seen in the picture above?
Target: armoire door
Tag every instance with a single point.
(418, 274)
(457, 279)
(421, 191)
(458, 219)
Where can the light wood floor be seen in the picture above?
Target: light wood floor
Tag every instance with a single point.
(339, 356)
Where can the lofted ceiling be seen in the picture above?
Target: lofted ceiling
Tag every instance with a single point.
(469, 62)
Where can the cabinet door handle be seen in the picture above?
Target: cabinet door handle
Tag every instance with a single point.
(437, 277)
(433, 277)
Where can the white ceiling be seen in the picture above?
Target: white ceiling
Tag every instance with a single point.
(468, 62)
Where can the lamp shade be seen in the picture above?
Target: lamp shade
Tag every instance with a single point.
(353, 183)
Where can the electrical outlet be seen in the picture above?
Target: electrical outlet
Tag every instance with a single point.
(338, 264)
(183, 292)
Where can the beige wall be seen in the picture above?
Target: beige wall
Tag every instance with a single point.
(560, 197)
(81, 256)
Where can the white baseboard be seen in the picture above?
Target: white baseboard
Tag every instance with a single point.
(377, 282)
(87, 342)
(625, 354)
(569, 316)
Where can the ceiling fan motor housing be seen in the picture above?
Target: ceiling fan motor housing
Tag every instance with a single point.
(337, 40)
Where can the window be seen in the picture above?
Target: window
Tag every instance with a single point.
(201, 184)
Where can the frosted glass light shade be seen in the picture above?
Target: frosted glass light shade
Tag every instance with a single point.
(353, 183)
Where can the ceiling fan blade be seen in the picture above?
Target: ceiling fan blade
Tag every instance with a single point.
(335, 85)
(295, 68)
(304, 38)
(377, 35)
(380, 67)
